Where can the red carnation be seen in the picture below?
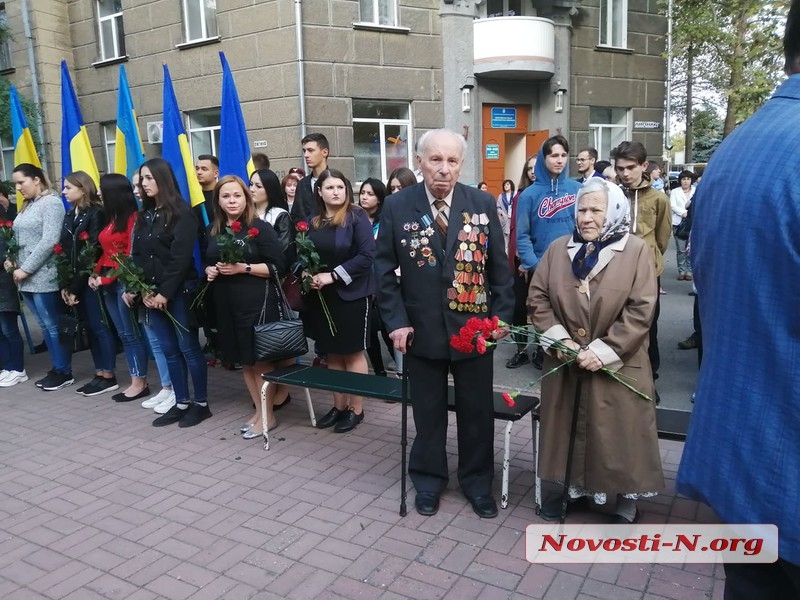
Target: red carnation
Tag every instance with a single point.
(8, 224)
(253, 232)
(480, 345)
(84, 235)
(236, 227)
(302, 226)
(460, 344)
(58, 249)
(509, 398)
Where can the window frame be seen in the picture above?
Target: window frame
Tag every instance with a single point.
(204, 25)
(607, 29)
(213, 130)
(394, 20)
(109, 143)
(117, 33)
(507, 10)
(596, 130)
(6, 168)
(382, 123)
(6, 52)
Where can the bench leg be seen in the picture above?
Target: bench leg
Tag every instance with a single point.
(264, 427)
(506, 455)
(537, 482)
(310, 408)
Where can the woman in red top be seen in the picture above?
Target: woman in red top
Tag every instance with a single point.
(115, 238)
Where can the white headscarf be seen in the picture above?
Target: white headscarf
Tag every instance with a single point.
(617, 218)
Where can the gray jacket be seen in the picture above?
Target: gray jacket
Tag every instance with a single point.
(38, 229)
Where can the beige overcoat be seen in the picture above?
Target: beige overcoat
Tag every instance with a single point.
(616, 449)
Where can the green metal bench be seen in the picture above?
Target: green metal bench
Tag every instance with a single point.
(396, 390)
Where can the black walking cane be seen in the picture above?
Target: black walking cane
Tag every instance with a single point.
(572, 432)
(404, 400)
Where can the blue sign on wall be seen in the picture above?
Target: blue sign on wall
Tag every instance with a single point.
(492, 151)
(504, 118)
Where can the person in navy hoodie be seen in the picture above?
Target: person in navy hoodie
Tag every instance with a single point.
(546, 209)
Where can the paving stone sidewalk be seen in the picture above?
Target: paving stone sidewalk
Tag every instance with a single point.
(97, 503)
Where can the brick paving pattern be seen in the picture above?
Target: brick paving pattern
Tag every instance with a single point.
(97, 503)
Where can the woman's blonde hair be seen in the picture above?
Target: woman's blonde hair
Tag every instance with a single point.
(220, 218)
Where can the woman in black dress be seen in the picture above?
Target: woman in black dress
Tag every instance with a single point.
(244, 289)
(342, 235)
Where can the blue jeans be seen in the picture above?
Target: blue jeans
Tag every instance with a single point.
(11, 348)
(102, 344)
(127, 325)
(47, 307)
(158, 356)
(181, 347)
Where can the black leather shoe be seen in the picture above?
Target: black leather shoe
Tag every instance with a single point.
(484, 506)
(284, 403)
(620, 520)
(349, 421)
(519, 359)
(538, 359)
(551, 509)
(334, 416)
(427, 503)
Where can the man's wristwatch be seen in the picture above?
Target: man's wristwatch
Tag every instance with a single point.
(334, 276)
(247, 268)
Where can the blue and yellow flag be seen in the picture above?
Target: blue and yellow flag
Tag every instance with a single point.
(76, 149)
(24, 149)
(175, 149)
(128, 149)
(234, 148)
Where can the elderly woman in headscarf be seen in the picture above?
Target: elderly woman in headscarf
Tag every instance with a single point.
(594, 291)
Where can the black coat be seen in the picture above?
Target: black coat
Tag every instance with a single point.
(91, 220)
(425, 296)
(265, 248)
(165, 251)
(304, 206)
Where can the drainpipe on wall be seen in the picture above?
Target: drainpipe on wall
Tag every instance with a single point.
(301, 84)
(26, 21)
(668, 105)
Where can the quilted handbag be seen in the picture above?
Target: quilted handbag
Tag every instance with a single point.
(281, 339)
(72, 332)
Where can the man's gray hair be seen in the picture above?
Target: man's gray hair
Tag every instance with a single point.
(422, 142)
(593, 184)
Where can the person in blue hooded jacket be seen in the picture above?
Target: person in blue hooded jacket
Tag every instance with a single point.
(546, 209)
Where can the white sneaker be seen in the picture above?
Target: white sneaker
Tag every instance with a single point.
(13, 378)
(154, 401)
(4, 374)
(168, 403)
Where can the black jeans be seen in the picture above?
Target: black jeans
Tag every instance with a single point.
(652, 351)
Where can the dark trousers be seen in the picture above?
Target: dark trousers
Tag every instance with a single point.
(474, 418)
(374, 349)
(652, 351)
(773, 581)
(521, 284)
(698, 331)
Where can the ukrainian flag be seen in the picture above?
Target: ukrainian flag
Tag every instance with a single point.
(76, 149)
(128, 149)
(175, 149)
(234, 148)
(24, 149)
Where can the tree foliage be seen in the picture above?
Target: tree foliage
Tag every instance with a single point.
(737, 48)
(708, 128)
(28, 106)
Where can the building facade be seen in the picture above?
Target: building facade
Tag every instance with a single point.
(372, 75)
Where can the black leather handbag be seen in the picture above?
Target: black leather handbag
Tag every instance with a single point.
(72, 332)
(281, 339)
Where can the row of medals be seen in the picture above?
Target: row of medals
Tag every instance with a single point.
(468, 293)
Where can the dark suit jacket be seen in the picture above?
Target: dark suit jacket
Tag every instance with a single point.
(425, 297)
(304, 206)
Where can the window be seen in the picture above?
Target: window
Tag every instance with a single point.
(503, 8)
(614, 23)
(5, 46)
(204, 126)
(7, 162)
(381, 135)
(609, 128)
(109, 144)
(200, 19)
(109, 24)
(379, 12)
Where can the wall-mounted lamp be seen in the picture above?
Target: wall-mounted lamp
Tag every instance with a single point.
(559, 94)
(466, 97)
